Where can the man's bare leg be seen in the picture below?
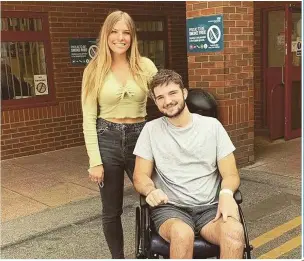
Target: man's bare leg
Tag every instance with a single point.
(228, 235)
(181, 238)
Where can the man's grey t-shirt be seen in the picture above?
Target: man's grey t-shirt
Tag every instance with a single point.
(185, 158)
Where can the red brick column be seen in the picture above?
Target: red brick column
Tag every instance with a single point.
(228, 74)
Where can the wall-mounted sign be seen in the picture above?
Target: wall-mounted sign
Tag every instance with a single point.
(41, 85)
(205, 34)
(294, 46)
(299, 48)
(82, 50)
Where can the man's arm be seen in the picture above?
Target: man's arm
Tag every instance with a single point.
(144, 184)
(142, 176)
(144, 165)
(228, 171)
(227, 206)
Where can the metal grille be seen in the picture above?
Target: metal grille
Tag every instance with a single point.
(149, 26)
(152, 48)
(21, 24)
(20, 61)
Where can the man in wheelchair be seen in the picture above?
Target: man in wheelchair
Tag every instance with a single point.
(186, 169)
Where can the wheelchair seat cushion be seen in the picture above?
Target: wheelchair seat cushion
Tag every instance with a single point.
(202, 248)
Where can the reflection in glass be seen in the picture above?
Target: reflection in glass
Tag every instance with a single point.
(159, 26)
(139, 26)
(20, 61)
(160, 54)
(21, 24)
(149, 26)
(140, 46)
(153, 49)
(296, 37)
(296, 105)
(276, 38)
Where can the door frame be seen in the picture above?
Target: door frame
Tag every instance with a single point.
(289, 133)
(264, 66)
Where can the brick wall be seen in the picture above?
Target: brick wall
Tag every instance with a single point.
(46, 128)
(228, 74)
(258, 110)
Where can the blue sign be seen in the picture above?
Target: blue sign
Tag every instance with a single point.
(205, 34)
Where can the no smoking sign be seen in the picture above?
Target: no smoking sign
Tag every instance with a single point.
(205, 34)
(214, 34)
(41, 86)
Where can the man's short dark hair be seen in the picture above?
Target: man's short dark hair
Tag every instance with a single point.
(164, 77)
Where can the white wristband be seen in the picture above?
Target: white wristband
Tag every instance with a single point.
(226, 191)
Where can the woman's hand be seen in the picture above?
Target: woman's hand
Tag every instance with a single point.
(96, 173)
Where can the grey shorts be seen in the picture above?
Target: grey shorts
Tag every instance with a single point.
(196, 217)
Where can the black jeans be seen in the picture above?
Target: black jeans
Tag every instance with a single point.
(116, 144)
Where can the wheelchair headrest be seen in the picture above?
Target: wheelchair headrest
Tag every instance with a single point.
(201, 102)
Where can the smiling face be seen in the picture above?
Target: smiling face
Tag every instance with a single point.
(170, 99)
(119, 39)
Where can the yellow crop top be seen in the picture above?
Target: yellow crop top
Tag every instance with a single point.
(115, 101)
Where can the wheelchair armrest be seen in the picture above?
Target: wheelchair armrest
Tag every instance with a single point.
(144, 230)
(237, 197)
(143, 202)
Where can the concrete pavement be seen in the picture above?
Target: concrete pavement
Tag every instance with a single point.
(272, 198)
(265, 208)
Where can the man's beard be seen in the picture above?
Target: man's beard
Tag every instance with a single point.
(178, 112)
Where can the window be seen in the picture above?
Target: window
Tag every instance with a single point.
(26, 75)
(152, 43)
(152, 37)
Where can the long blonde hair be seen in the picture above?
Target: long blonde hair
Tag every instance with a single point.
(97, 69)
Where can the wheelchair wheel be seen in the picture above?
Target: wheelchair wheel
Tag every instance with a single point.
(153, 256)
(137, 234)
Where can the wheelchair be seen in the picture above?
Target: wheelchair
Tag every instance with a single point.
(201, 102)
(150, 245)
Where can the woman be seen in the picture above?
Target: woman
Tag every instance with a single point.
(115, 83)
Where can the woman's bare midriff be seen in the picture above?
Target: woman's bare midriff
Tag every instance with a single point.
(126, 120)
